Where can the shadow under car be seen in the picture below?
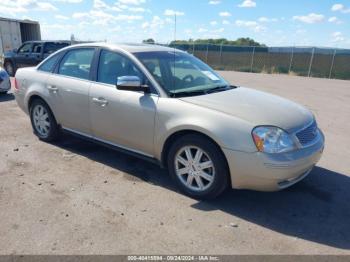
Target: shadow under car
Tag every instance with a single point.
(316, 209)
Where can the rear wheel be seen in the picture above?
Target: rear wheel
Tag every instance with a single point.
(10, 69)
(43, 122)
(198, 166)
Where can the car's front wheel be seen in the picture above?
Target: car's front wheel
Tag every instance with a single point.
(198, 166)
(43, 122)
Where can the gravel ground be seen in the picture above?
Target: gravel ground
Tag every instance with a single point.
(75, 197)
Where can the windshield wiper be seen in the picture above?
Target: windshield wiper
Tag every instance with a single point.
(202, 92)
(219, 89)
(188, 93)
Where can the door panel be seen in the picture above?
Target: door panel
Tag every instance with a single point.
(125, 118)
(22, 57)
(36, 54)
(69, 89)
(70, 102)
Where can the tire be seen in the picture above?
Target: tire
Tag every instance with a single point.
(43, 122)
(10, 69)
(209, 152)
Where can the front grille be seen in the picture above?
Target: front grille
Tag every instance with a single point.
(308, 134)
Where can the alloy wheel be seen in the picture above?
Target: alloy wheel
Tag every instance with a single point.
(41, 120)
(194, 168)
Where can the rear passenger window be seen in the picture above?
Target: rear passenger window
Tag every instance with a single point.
(51, 47)
(77, 63)
(37, 48)
(49, 64)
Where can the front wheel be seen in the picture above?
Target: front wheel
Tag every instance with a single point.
(43, 122)
(198, 167)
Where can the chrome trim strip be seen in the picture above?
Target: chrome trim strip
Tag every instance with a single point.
(107, 142)
(277, 166)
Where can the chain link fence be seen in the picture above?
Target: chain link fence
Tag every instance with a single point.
(310, 61)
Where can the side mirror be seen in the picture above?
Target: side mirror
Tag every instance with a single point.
(131, 83)
(15, 50)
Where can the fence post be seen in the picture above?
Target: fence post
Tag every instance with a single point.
(291, 60)
(206, 54)
(252, 62)
(331, 69)
(311, 60)
(221, 54)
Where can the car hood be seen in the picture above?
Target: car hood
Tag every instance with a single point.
(256, 107)
(9, 54)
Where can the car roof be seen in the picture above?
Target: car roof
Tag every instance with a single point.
(129, 47)
(47, 41)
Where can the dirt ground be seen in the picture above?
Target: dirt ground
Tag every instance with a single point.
(75, 197)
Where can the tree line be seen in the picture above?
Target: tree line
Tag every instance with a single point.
(243, 41)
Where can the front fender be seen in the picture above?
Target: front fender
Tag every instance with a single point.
(174, 115)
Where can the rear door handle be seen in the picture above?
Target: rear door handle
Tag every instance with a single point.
(100, 101)
(52, 88)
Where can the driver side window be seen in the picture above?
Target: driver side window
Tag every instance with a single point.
(26, 48)
(113, 65)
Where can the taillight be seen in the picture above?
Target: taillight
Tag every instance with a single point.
(15, 84)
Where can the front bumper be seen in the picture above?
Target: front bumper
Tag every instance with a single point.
(272, 172)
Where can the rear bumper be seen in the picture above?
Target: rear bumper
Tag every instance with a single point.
(19, 96)
(272, 172)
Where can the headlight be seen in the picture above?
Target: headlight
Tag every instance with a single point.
(270, 139)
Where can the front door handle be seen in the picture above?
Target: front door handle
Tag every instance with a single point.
(100, 101)
(52, 88)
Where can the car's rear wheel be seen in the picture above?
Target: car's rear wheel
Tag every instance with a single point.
(10, 69)
(43, 122)
(198, 166)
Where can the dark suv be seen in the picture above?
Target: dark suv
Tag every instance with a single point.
(30, 54)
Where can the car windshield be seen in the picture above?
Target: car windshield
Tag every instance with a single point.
(181, 74)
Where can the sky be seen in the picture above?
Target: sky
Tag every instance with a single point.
(322, 23)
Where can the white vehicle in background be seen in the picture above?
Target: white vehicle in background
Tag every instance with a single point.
(5, 83)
